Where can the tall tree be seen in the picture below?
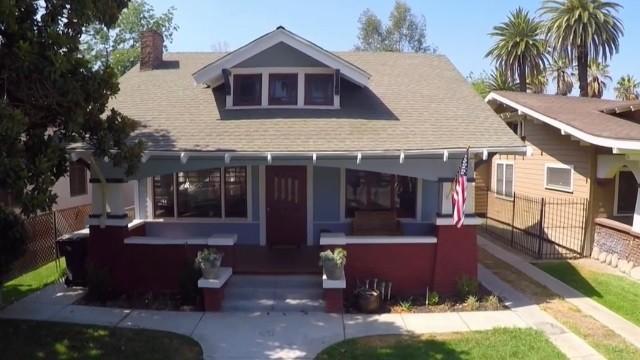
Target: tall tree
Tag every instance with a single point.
(538, 83)
(599, 75)
(627, 88)
(119, 45)
(51, 96)
(520, 48)
(561, 72)
(580, 30)
(405, 31)
(499, 80)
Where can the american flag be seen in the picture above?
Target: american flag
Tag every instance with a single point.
(459, 191)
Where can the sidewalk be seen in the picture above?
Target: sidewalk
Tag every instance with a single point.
(608, 318)
(245, 335)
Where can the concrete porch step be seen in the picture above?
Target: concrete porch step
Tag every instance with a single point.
(276, 281)
(263, 305)
(247, 293)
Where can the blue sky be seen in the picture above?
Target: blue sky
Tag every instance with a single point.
(457, 27)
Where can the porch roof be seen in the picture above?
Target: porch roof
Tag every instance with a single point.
(413, 102)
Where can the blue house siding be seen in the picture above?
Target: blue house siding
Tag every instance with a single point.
(326, 194)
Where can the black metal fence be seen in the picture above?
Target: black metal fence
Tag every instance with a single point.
(42, 231)
(543, 228)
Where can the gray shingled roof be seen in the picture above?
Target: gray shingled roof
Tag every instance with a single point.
(585, 114)
(414, 102)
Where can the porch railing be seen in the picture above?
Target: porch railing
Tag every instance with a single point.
(541, 227)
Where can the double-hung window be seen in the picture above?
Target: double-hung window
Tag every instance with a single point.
(558, 177)
(209, 193)
(504, 179)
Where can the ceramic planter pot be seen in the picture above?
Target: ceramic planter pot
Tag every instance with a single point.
(332, 270)
(369, 300)
(211, 269)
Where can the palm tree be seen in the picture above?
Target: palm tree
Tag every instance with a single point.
(598, 76)
(538, 83)
(579, 30)
(627, 88)
(499, 81)
(561, 72)
(520, 48)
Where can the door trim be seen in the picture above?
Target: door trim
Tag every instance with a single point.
(309, 205)
(262, 178)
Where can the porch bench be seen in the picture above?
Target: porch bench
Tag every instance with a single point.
(213, 240)
(375, 223)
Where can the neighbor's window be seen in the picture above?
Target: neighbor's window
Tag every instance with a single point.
(504, 179)
(626, 193)
(318, 89)
(235, 192)
(283, 89)
(163, 205)
(558, 177)
(247, 89)
(77, 179)
(199, 193)
(367, 190)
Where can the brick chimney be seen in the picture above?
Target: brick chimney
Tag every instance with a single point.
(151, 47)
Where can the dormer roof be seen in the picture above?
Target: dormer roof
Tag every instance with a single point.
(281, 38)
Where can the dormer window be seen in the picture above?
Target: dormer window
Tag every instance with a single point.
(318, 89)
(283, 89)
(247, 89)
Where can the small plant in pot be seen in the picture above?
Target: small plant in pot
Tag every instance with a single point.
(208, 260)
(333, 263)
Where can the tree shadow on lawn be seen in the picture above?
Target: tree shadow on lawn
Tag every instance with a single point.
(570, 275)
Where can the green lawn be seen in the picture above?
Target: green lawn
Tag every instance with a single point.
(615, 292)
(32, 282)
(20, 339)
(493, 344)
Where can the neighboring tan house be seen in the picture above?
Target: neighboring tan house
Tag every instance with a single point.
(578, 149)
(281, 148)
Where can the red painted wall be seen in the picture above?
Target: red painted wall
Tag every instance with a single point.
(456, 256)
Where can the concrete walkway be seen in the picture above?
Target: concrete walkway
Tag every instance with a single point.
(608, 318)
(245, 335)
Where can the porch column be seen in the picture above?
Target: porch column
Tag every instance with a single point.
(456, 250)
(636, 213)
(107, 231)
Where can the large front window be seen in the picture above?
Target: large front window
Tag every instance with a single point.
(199, 194)
(373, 191)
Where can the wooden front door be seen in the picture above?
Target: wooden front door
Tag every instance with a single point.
(286, 193)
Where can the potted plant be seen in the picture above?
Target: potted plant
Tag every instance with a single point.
(208, 260)
(369, 300)
(333, 263)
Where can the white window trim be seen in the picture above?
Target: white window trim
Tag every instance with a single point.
(222, 218)
(504, 172)
(615, 195)
(558, 166)
(265, 71)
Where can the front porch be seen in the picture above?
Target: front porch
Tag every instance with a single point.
(274, 219)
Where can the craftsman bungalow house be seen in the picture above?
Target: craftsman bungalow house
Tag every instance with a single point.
(577, 148)
(279, 148)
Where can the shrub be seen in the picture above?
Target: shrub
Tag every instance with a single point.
(467, 287)
(493, 302)
(472, 303)
(406, 305)
(13, 239)
(433, 298)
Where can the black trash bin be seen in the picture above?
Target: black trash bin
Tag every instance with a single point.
(74, 249)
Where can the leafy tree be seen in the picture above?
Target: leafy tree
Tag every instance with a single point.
(580, 30)
(538, 84)
(499, 80)
(561, 72)
(598, 77)
(627, 88)
(520, 48)
(120, 45)
(479, 83)
(405, 31)
(51, 96)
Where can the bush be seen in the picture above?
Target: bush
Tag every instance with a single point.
(493, 302)
(13, 239)
(467, 287)
(472, 303)
(98, 284)
(433, 298)
(406, 305)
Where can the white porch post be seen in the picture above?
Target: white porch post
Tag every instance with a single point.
(636, 213)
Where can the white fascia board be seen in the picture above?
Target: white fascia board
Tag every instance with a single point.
(567, 129)
(212, 73)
